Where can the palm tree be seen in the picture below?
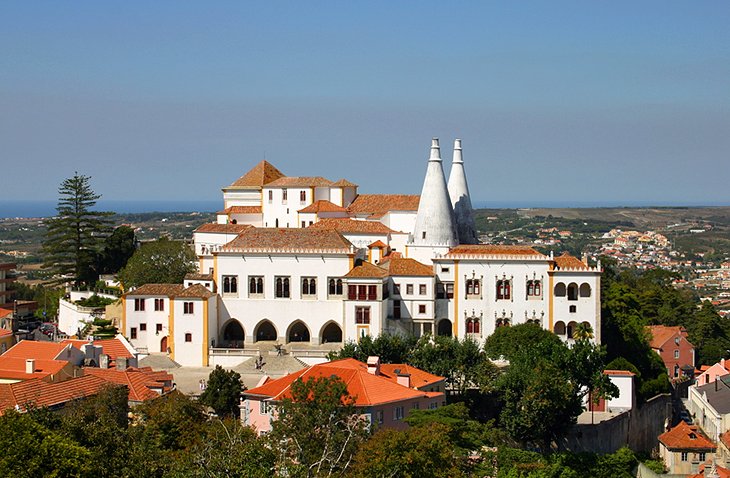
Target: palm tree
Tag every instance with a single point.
(583, 331)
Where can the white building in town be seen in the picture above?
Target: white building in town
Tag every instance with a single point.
(308, 263)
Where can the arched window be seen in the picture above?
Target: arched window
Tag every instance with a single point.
(559, 289)
(309, 286)
(559, 328)
(530, 288)
(504, 289)
(504, 322)
(538, 288)
(585, 290)
(572, 291)
(226, 284)
(282, 287)
(473, 287)
(473, 326)
(255, 285)
(234, 285)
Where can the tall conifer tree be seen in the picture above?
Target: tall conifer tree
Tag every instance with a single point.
(77, 233)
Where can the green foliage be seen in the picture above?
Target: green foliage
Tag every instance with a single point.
(657, 466)
(523, 464)
(30, 450)
(118, 249)
(46, 296)
(172, 422)
(318, 430)
(95, 301)
(412, 453)
(507, 342)
(75, 236)
(390, 348)
(160, 261)
(223, 392)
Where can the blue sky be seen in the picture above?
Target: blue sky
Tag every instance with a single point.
(571, 102)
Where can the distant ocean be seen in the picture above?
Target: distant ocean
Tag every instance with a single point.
(48, 208)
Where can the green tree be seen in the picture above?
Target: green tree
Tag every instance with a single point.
(75, 236)
(390, 348)
(160, 261)
(506, 342)
(317, 430)
(223, 392)
(171, 422)
(118, 249)
(411, 453)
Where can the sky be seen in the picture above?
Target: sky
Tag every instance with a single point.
(570, 102)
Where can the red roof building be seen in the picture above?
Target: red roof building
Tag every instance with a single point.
(143, 383)
(684, 448)
(384, 393)
(675, 350)
(39, 393)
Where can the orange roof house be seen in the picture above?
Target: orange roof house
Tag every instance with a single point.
(143, 383)
(378, 205)
(383, 393)
(49, 361)
(683, 447)
(677, 353)
(261, 174)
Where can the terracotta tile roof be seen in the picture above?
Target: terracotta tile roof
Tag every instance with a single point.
(566, 261)
(112, 347)
(13, 368)
(419, 378)
(492, 250)
(406, 267)
(261, 174)
(302, 181)
(5, 332)
(262, 240)
(661, 334)
(705, 473)
(725, 439)
(196, 276)
(141, 382)
(379, 204)
(31, 349)
(352, 226)
(619, 372)
(223, 228)
(378, 244)
(686, 437)
(170, 290)
(5, 313)
(241, 210)
(43, 394)
(323, 206)
(196, 291)
(344, 183)
(367, 389)
(392, 255)
(366, 270)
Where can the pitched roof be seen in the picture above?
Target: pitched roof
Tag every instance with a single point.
(170, 290)
(43, 394)
(419, 378)
(352, 226)
(718, 395)
(32, 349)
(113, 347)
(261, 174)
(141, 382)
(262, 240)
(294, 181)
(366, 270)
(492, 250)
(367, 389)
(223, 228)
(241, 210)
(686, 437)
(323, 206)
(379, 204)
(196, 276)
(406, 267)
(344, 183)
(661, 334)
(14, 368)
(5, 332)
(378, 245)
(566, 261)
(5, 313)
(705, 473)
(196, 291)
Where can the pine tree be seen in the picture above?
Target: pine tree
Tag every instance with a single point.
(77, 233)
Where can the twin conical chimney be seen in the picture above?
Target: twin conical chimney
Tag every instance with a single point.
(435, 219)
(460, 200)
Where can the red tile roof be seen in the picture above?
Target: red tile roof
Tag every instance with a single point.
(223, 228)
(31, 349)
(141, 382)
(366, 270)
(13, 368)
(5, 332)
(492, 250)
(705, 473)
(261, 174)
(379, 204)
(112, 347)
(367, 389)
(169, 290)
(196, 291)
(197, 276)
(5, 313)
(661, 334)
(352, 226)
(344, 183)
(301, 181)
(419, 378)
(43, 394)
(262, 240)
(406, 267)
(566, 261)
(378, 244)
(322, 206)
(686, 437)
(241, 210)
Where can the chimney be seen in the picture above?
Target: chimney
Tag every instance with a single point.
(374, 365)
(584, 258)
(122, 363)
(404, 379)
(29, 366)
(104, 361)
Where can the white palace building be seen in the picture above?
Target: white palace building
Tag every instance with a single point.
(307, 263)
